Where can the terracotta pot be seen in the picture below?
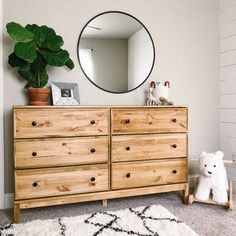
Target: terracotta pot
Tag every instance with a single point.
(38, 96)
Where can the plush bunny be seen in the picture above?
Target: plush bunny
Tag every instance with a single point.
(212, 177)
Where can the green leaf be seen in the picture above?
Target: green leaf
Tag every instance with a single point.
(70, 64)
(47, 39)
(39, 64)
(26, 51)
(43, 77)
(19, 33)
(27, 72)
(54, 43)
(32, 84)
(15, 61)
(42, 36)
(33, 29)
(58, 58)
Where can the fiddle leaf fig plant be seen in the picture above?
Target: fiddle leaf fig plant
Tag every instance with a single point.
(36, 47)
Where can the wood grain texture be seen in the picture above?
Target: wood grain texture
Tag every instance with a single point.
(58, 200)
(55, 164)
(104, 202)
(60, 122)
(16, 213)
(186, 194)
(94, 107)
(35, 153)
(60, 181)
(144, 147)
(231, 204)
(148, 120)
(140, 174)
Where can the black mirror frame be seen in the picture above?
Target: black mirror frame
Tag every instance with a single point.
(152, 47)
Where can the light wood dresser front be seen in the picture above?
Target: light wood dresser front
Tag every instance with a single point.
(74, 154)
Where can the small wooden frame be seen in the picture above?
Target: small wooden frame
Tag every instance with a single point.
(228, 205)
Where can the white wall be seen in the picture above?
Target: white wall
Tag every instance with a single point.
(1, 119)
(185, 35)
(228, 81)
(110, 62)
(140, 58)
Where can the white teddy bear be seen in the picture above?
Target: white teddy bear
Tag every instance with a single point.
(212, 177)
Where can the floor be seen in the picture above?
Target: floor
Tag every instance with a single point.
(206, 220)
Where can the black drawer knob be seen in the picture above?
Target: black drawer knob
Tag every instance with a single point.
(34, 154)
(92, 179)
(174, 120)
(127, 148)
(34, 123)
(35, 184)
(128, 175)
(92, 122)
(174, 146)
(174, 171)
(127, 121)
(92, 150)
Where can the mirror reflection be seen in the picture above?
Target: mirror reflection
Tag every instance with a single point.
(116, 52)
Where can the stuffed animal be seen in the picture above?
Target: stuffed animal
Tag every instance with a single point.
(152, 99)
(212, 177)
(164, 101)
(163, 94)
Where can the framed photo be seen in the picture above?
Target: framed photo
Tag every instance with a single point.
(65, 94)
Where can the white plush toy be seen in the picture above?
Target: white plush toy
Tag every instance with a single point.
(212, 177)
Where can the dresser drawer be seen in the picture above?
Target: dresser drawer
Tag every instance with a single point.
(144, 147)
(148, 120)
(60, 181)
(36, 153)
(141, 174)
(35, 123)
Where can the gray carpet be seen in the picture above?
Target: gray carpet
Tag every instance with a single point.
(206, 220)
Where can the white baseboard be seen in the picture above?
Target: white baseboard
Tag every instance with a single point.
(8, 200)
(9, 197)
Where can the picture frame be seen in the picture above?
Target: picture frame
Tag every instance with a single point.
(65, 94)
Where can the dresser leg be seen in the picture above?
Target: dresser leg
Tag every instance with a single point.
(16, 213)
(104, 202)
(186, 194)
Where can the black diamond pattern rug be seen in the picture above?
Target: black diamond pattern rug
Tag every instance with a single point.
(152, 220)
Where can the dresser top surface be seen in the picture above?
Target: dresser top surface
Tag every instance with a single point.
(95, 106)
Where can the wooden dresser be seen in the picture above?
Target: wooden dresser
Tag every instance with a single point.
(73, 154)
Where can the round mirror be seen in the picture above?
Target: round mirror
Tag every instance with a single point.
(116, 52)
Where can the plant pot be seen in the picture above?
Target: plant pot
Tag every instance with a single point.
(38, 96)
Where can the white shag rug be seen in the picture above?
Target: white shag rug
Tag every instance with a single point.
(142, 221)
